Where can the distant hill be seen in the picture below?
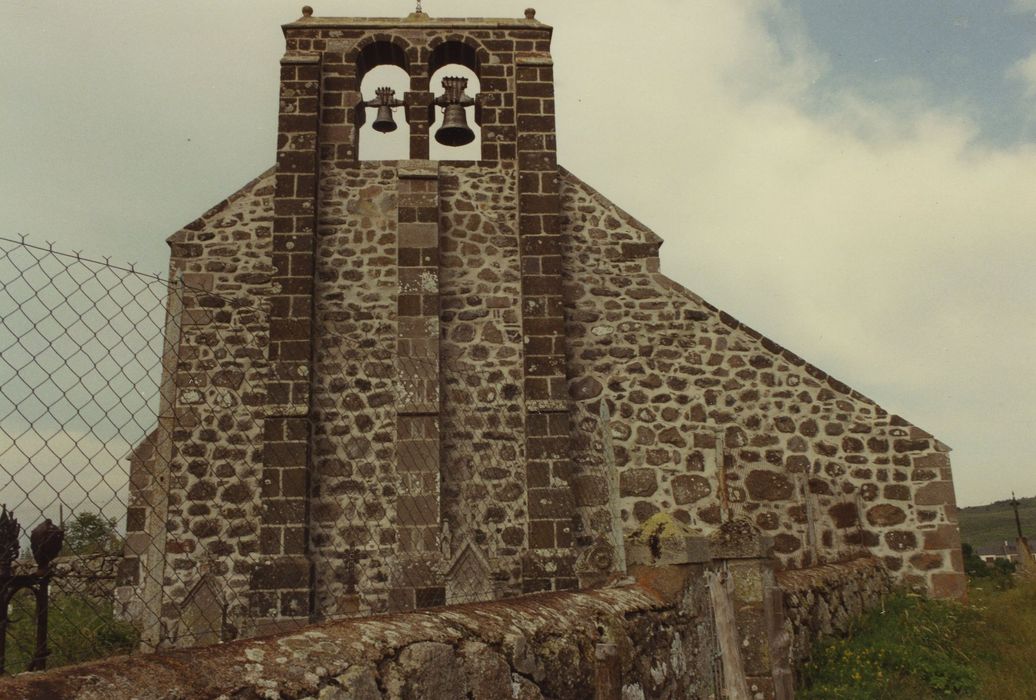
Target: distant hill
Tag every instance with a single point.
(981, 526)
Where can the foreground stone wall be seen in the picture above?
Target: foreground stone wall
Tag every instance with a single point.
(622, 642)
(823, 601)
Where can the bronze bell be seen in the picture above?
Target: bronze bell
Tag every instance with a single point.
(385, 101)
(455, 130)
(385, 123)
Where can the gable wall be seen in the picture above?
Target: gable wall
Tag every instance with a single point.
(195, 481)
(697, 400)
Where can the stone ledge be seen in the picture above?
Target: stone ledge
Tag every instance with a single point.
(418, 170)
(546, 406)
(669, 552)
(300, 59)
(534, 58)
(424, 22)
(794, 580)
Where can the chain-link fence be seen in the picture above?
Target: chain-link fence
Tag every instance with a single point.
(81, 345)
(134, 414)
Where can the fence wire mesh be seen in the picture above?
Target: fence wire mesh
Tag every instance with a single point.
(81, 345)
(132, 412)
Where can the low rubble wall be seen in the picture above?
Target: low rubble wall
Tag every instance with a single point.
(90, 575)
(824, 600)
(625, 642)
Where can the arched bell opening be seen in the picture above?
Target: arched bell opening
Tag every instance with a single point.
(456, 133)
(383, 133)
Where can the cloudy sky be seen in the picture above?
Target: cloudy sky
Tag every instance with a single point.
(854, 179)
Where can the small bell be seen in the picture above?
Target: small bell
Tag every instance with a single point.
(385, 123)
(454, 130)
(385, 101)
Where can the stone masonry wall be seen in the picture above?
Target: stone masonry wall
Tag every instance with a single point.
(359, 477)
(483, 455)
(202, 494)
(627, 642)
(711, 420)
(823, 601)
(708, 420)
(354, 481)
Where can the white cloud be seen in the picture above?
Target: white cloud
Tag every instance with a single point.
(1022, 6)
(875, 238)
(870, 235)
(1025, 72)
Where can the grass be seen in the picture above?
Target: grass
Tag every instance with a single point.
(920, 648)
(991, 524)
(1007, 668)
(80, 628)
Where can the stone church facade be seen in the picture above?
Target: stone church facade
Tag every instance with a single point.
(398, 384)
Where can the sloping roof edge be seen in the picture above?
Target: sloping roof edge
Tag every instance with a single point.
(626, 217)
(199, 223)
(768, 344)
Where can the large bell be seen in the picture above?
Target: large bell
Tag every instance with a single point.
(385, 122)
(454, 130)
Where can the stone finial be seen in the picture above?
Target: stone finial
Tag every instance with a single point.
(307, 11)
(530, 13)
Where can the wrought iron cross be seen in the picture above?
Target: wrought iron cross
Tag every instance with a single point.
(419, 10)
(1017, 518)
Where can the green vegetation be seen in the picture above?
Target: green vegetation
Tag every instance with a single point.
(91, 533)
(991, 524)
(900, 652)
(999, 573)
(920, 648)
(80, 629)
(1008, 641)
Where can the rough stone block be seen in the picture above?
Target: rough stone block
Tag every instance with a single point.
(417, 510)
(949, 585)
(942, 537)
(935, 493)
(281, 573)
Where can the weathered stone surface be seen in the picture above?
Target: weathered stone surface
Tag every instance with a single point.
(901, 541)
(936, 493)
(885, 515)
(585, 388)
(926, 561)
(784, 543)
(843, 515)
(427, 670)
(825, 600)
(488, 675)
(768, 485)
(638, 482)
(540, 646)
(689, 488)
